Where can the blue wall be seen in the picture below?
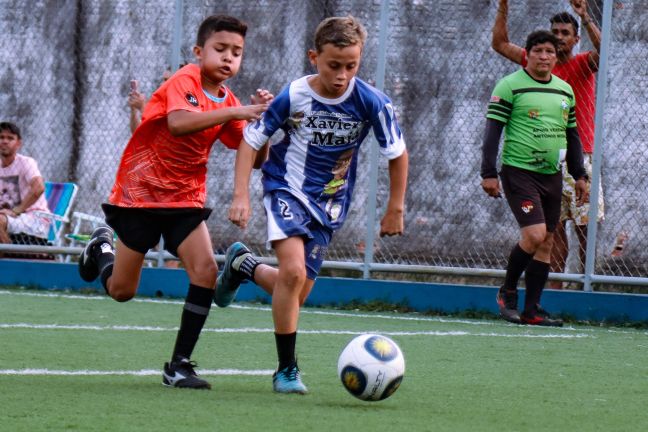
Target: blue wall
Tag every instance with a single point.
(336, 291)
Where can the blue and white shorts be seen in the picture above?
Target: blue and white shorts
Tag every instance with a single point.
(288, 217)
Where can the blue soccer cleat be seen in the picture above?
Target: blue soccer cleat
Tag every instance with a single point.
(230, 279)
(287, 380)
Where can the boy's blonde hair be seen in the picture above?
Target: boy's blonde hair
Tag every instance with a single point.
(341, 32)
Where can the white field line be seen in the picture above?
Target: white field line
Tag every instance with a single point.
(142, 372)
(263, 308)
(9, 326)
(349, 314)
(254, 308)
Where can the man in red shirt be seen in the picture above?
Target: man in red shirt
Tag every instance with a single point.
(160, 185)
(579, 71)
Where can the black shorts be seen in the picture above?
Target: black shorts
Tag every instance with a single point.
(141, 228)
(534, 198)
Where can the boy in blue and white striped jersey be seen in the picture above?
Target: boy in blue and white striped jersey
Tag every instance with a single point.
(308, 179)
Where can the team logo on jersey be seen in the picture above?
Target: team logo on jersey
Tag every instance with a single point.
(495, 99)
(295, 120)
(527, 206)
(334, 210)
(534, 114)
(339, 172)
(329, 129)
(193, 100)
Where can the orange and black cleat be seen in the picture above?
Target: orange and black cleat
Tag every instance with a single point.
(540, 320)
(507, 303)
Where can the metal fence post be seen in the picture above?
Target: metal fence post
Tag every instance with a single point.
(174, 62)
(373, 155)
(176, 36)
(601, 92)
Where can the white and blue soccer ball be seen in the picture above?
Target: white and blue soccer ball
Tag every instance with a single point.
(371, 367)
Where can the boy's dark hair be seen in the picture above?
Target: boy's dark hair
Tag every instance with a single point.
(341, 32)
(8, 126)
(565, 18)
(539, 37)
(216, 23)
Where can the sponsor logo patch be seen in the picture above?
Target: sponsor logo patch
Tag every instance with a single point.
(191, 98)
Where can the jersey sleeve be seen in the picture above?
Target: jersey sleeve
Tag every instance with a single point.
(231, 133)
(257, 133)
(30, 169)
(571, 119)
(181, 94)
(386, 130)
(500, 105)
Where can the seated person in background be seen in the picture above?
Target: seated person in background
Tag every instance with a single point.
(21, 189)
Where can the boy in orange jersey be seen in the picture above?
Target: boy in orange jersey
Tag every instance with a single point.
(161, 183)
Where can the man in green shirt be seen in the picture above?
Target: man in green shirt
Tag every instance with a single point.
(537, 112)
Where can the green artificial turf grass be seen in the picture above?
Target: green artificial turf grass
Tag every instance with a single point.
(461, 375)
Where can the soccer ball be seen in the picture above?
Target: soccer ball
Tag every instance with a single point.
(371, 367)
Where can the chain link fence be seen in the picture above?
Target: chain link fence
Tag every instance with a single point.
(66, 81)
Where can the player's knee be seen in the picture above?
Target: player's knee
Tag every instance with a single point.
(293, 275)
(120, 291)
(536, 239)
(203, 273)
(121, 296)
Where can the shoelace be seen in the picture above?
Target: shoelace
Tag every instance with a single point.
(292, 374)
(188, 366)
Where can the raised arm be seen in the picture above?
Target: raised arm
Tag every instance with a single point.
(392, 222)
(136, 102)
(500, 41)
(580, 7)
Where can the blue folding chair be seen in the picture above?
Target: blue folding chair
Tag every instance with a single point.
(60, 197)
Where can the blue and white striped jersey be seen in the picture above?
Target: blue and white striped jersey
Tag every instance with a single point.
(316, 160)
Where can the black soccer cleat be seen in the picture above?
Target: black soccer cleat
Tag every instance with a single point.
(507, 303)
(540, 320)
(101, 241)
(180, 373)
(542, 311)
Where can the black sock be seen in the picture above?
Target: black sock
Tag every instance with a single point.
(194, 315)
(517, 263)
(286, 348)
(106, 272)
(535, 277)
(104, 259)
(246, 267)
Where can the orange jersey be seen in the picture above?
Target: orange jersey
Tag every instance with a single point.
(159, 170)
(580, 76)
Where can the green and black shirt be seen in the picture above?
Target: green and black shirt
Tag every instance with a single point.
(537, 116)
